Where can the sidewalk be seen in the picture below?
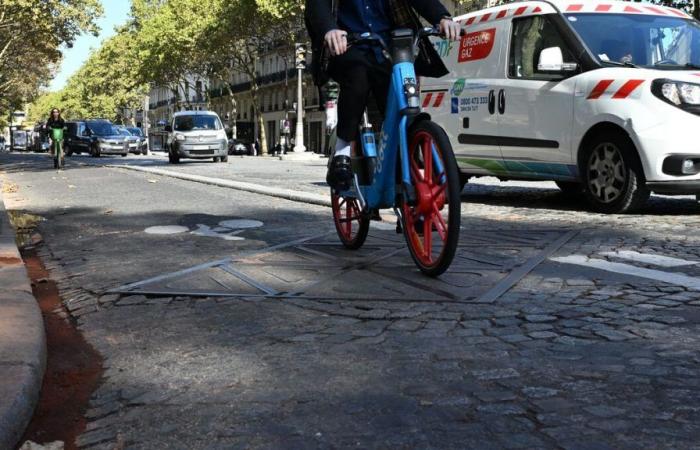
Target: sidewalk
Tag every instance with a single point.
(22, 340)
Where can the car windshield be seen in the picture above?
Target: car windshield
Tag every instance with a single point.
(640, 40)
(135, 131)
(123, 131)
(195, 122)
(103, 128)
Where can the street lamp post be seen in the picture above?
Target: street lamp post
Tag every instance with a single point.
(300, 54)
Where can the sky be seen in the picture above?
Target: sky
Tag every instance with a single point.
(115, 13)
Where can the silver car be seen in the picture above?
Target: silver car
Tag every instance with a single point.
(197, 135)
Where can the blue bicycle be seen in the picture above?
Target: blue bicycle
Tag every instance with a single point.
(412, 170)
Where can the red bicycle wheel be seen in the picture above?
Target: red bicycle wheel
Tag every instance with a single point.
(351, 223)
(431, 224)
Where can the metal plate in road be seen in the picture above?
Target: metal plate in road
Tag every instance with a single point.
(487, 264)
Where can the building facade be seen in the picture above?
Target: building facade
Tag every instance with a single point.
(277, 94)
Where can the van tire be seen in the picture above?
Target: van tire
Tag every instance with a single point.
(463, 180)
(613, 177)
(569, 187)
(223, 159)
(172, 157)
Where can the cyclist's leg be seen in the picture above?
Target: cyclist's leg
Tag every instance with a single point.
(350, 71)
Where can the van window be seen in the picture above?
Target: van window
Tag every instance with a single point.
(530, 36)
(657, 42)
(196, 122)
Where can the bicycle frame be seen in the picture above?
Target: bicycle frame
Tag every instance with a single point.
(392, 148)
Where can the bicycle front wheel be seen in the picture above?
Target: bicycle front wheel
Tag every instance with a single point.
(431, 224)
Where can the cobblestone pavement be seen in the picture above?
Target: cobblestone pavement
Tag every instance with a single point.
(570, 357)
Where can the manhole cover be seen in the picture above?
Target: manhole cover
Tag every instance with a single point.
(488, 263)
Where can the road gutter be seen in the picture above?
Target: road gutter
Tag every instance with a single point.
(22, 339)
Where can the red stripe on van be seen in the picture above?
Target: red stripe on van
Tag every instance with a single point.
(426, 100)
(603, 8)
(574, 8)
(470, 20)
(485, 17)
(627, 89)
(520, 10)
(656, 10)
(537, 9)
(676, 12)
(629, 9)
(438, 100)
(502, 14)
(599, 89)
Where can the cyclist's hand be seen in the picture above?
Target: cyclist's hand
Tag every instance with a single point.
(450, 29)
(337, 41)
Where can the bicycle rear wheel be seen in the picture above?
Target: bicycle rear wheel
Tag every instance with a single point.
(351, 223)
(431, 225)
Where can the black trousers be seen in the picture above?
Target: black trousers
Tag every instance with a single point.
(358, 73)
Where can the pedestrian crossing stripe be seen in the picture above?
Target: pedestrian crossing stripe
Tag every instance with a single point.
(679, 279)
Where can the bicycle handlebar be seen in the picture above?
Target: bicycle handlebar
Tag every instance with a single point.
(367, 38)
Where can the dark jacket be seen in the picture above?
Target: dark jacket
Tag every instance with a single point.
(320, 16)
(60, 123)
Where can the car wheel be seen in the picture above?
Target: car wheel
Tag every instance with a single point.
(613, 178)
(144, 152)
(69, 152)
(95, 152)
(216, 159)
(124, 155)
(569, 187)
(224, 159)
(173, 158)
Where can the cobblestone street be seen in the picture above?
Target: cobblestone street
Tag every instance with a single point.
(556, 328)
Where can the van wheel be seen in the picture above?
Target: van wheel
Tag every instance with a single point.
(569, 187)
(613, 178)
(223, 159)
(216, 159)
(463, 180)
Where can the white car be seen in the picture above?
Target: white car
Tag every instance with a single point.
(196, 134)
(599, 96)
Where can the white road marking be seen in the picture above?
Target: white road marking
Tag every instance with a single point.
(657, 260)
(626, 269)
(205, 230)
(240, 223)
(167, 229)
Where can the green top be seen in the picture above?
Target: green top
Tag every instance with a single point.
(57, 134)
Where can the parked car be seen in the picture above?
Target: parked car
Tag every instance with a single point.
(238, 147)
(143, 141)
(134, 141)
(40, 139)
(96, 137)
(196, 134)
(20, 140)
(602, 97)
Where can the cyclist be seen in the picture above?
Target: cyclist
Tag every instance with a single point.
(364, 68)
(55, 121)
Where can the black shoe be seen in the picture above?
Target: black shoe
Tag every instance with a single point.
(340, 173)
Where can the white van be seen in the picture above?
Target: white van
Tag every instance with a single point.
(599, 96)
(197, 135)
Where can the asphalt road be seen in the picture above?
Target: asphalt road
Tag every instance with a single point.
(557, 328)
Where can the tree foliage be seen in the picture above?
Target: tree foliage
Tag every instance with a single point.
(31, 36)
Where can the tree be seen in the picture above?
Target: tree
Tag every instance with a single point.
(241, 33)
(31, 35)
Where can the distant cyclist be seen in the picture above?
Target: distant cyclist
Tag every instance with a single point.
(55, 121)
(363, 69)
